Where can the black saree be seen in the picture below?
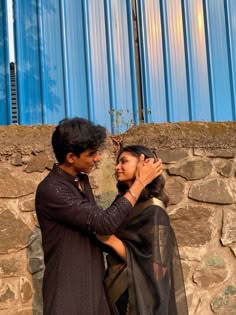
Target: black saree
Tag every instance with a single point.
(151, 281)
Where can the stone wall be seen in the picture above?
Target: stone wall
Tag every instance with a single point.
(199, 161)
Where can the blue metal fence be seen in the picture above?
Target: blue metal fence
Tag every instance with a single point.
(78, 58)
(188, 59)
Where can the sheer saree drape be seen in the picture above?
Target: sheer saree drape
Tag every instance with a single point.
(151, 282)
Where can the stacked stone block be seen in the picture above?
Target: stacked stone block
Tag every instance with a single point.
(199, 162)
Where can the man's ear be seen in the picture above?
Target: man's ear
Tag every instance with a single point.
(70, 158)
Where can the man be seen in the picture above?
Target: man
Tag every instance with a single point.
(69, 219)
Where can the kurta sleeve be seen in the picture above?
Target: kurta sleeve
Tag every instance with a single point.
(64, 203)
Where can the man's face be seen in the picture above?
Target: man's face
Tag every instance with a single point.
(86, 161)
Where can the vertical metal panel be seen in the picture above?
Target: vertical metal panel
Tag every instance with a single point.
(96, 58)
(163, 61)
(219, 71)
(188, 59)
(121, 38)
(178, 107)
(121, 57)
(39, 63)
(27, 62)
(197, 71)
(152, 63)
(5, 95)
(230, 6)
(76, 58)
(52, 75)
(111, 60)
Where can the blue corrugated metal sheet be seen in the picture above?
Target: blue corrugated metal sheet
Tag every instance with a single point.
(218, 59)
(5, 95)
(188, 59)
(76, 58)
(110, 63)
(231, 44)
(196, 60)
(28, 66)
(152, 63)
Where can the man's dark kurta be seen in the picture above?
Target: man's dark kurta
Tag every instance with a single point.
(68, 218)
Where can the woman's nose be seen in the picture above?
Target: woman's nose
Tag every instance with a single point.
(97, 157)
(117, 167)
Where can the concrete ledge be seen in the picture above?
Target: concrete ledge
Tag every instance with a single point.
(209, 135)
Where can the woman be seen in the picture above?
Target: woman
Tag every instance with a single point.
(144, 275)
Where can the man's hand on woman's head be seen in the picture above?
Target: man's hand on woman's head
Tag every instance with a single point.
(148, 169)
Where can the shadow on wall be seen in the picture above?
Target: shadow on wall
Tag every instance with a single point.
(36, 268)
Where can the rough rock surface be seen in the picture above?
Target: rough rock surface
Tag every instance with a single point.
(199, 165)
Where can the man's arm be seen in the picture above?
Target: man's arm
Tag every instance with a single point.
(63, 204)
(115, 243)
(59, 201)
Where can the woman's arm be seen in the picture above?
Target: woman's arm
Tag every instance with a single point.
(115, 243)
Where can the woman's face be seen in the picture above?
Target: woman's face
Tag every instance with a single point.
(126, 168)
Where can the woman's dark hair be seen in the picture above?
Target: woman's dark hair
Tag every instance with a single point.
(76, 135)
(156, 187)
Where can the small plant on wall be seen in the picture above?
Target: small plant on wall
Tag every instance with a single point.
(121, 121)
